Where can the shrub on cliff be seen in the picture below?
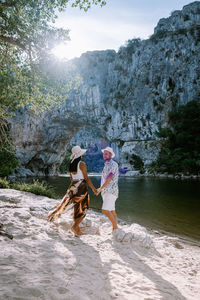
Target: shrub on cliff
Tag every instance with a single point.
(137, 162)
(194, 30)
(65, 163)
(180, 151)
(130, 47)
(8, 162)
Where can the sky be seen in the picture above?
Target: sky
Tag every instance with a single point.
(110, 26)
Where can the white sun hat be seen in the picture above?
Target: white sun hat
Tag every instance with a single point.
(109, 149)
(77, 152)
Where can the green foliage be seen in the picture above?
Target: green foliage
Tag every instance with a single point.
(118, 68)
(180, 150)
(157, 81)
(25, 23)
(143, 121)
(119, 95)
(159, 35)
(36, 187)
(186, 18)
(4, 183)
(65, 163)
(193, 30)
(129, 48)
(8, 162)
(137, 163)
(28, 75)
(148, 117)
(40, 86)
(86, 4)
(171, 84)
(163, 132)
(162, 100)
(159, 108)
(155, 103)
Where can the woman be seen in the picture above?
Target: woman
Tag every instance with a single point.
(77, 193)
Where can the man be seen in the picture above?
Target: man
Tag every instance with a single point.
(109, 186)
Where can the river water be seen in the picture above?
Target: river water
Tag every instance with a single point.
(168, 205)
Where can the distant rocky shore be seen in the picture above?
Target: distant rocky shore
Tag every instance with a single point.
(26, 174)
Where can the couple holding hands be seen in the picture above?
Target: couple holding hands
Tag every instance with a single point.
(77, 193)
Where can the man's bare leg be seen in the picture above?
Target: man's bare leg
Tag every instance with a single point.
(111, 217)
(115, 218)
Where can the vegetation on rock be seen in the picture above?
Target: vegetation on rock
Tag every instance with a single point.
(180, 150)
(35, 187)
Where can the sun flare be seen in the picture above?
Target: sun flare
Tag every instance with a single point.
(61, 51)
(67, 51)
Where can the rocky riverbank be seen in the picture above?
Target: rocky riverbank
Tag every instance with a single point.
(45, 261)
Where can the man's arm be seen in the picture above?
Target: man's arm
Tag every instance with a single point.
(108, 180)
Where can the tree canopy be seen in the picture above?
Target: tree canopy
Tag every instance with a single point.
(27, 36)
(26, 23)
(29, 74)
(180, 150)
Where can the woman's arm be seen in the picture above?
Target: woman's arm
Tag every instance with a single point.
(83, 168)
(71, 180)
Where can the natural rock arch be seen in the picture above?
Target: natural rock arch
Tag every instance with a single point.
(42, 140)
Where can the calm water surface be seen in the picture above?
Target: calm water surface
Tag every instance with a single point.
(160, 204)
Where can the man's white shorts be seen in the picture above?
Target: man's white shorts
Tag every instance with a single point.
(108, 201)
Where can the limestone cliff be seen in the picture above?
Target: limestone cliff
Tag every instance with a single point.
(124, 95)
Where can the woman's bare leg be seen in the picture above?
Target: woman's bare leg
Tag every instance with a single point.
(75, 228)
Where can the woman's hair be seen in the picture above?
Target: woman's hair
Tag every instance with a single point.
(74, 164)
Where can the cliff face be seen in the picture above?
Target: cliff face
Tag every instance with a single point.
(124, 95)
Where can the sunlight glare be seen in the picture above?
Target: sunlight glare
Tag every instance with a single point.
(61, 51)
(67, 51)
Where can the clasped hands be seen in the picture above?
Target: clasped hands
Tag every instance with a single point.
(97, 191)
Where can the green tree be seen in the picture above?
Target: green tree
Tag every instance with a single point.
(180, 151)
(65, 163)
(137, 162)
(26, 23)
(8, 161)
(26, 40)
(27, 36)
